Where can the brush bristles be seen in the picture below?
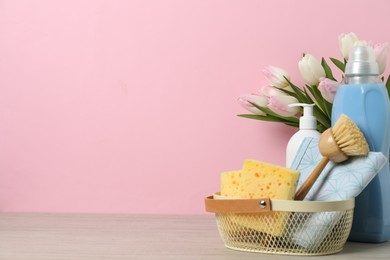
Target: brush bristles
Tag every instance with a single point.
(349, 138)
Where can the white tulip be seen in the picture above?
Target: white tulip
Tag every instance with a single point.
(360, 43)
(346, 42)
(311, 69)
(381, 51)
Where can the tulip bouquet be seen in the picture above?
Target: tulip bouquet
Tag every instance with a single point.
(272, 101)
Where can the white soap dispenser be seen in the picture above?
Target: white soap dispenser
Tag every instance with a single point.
(307, 128)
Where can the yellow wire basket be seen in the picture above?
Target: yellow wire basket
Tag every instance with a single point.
(282, 226)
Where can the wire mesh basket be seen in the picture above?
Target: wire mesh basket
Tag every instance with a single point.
(282, 226)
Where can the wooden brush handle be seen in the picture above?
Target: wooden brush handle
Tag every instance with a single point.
(306, 186)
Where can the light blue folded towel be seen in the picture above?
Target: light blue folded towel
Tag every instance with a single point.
(340, 181)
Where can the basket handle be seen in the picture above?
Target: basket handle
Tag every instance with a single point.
(237, 205)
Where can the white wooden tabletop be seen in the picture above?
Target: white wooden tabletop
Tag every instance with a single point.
(104, 236)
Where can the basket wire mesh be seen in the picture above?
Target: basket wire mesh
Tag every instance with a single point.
(286, 232)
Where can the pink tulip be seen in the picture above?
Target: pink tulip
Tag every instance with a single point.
(279, 104)
(381, 51)
(267, 91)
(246, 100)
(276, 76)
(328, 89)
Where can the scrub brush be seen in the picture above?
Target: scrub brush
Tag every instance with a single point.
(336, 144)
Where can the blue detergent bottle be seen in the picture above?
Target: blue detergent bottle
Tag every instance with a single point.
(364, 98)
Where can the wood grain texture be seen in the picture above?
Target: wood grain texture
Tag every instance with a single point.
(309, 182)
(98, 236)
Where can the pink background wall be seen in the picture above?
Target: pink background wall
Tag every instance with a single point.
(130, 106)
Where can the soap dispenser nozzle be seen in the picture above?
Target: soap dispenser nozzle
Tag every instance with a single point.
(307, 121)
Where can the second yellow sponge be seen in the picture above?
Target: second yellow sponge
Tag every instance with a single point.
(260, 180)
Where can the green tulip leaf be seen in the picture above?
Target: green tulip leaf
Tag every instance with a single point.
(299, 93)
(321, 116)
(339, 64)
(388, 85)
(328, 71)
(271, 113)
(317, 96)
(322, 101)
(287, 92)
(259, 117)
(292, 124)
(269, 118)
(321, 128)
(308, 96)
(328, 107)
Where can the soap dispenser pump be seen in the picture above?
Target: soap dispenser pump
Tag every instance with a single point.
(307, 128)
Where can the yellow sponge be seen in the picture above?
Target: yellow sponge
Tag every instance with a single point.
(260, 180)
(230, 184)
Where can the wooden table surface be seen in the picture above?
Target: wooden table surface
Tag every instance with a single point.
(104, 236)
